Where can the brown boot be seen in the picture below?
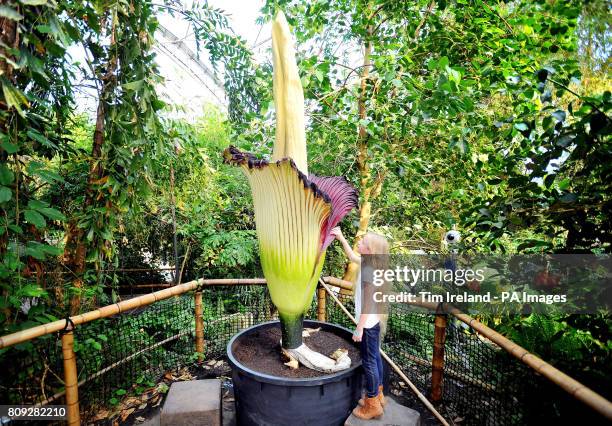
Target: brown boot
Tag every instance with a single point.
(371, 409)
(381, 397)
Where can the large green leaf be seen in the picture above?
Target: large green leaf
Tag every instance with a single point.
(35, 218)
(12, 95)
(52, 213)
(43, 172)
(40, 138)
(6, 175)
(5, 194)
(33, 2)
(31, 290)
(10, 13)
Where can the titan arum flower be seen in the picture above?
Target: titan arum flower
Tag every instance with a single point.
(294, 211)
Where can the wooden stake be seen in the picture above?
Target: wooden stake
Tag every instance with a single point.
(437, 362)
(391, 363)
(199, 326)
(321, 304)
(70, 377)
(415, 390)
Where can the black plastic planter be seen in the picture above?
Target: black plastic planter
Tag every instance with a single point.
(264, 400)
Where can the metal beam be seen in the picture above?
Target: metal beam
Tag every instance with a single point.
(180, 45)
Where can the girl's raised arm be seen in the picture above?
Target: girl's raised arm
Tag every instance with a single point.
(353, 257)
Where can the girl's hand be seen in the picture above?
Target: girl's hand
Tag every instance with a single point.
(353, 257)
(336, 232)
(358, 334)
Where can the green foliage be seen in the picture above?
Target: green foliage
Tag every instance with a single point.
(452, 88)
(576, 344)
(213, 212)
(67, 178)
(555, 176)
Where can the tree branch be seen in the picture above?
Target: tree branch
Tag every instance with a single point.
(425, 16)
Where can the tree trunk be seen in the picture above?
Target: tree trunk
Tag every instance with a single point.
(177, 275)
(75, 250)
(369, 192)
(350, 273)
(9, 36)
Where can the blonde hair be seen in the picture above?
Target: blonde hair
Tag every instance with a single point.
(378, 244)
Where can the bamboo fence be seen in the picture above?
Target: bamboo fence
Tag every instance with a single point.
(565, 382)
(66, 327)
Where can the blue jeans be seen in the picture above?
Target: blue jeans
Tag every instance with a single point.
(371, 360)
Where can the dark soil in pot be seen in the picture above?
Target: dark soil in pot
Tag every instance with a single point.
(260, 351)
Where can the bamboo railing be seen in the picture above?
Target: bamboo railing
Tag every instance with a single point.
(66, 327)
(117, 308)
(565, 382)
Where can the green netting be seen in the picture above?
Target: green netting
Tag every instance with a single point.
(483, 384)
(30, 371)
(126, 353)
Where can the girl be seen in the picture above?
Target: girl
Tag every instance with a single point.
(369, 325)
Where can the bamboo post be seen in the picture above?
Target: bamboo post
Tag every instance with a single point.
(199, 326)
(337, 282)
(321, 295)
(70, 375)
(437, 362)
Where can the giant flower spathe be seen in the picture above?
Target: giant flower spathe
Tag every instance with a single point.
(294, 211)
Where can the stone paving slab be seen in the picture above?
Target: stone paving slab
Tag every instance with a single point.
(395, 415)
(193, 403)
